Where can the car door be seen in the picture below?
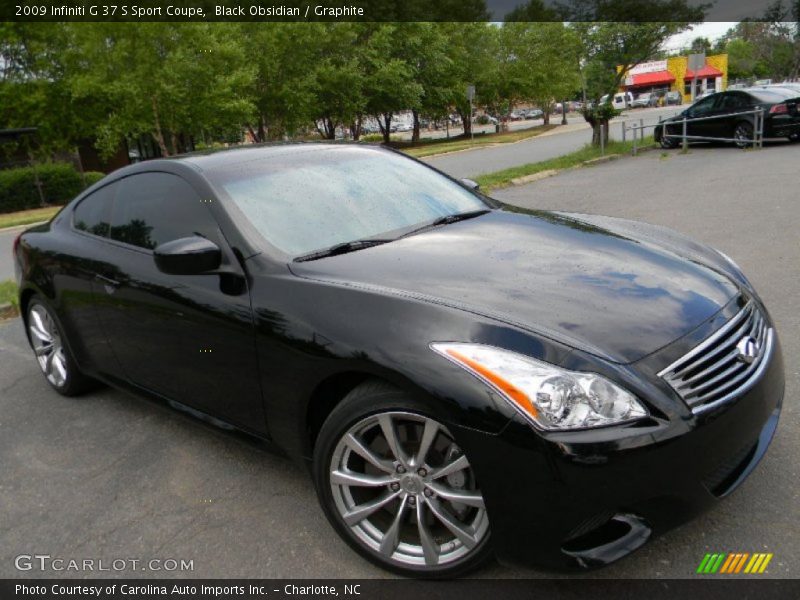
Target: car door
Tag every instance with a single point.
(189, 338)
(732, 105)
(707, 107)
(88, 227)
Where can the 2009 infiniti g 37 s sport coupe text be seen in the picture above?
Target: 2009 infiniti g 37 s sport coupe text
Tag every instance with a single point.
(464, 378)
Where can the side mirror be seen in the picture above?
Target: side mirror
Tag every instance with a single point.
(188, 256)
(473, 185)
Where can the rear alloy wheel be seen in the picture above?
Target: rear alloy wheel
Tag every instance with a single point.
(402, 492)
(53, 356)
(743, 134)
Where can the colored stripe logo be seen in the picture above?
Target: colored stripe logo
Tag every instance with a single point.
(734, 562)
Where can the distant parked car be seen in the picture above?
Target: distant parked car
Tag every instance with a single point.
(781, 116)
(619, 100)
(534, 113)
(404, 127)
(645, 100)
(515, 116)
(673, 97)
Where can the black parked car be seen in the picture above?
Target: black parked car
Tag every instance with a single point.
(781, 117)
(464, 378)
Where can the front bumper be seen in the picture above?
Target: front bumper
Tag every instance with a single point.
(585, 499)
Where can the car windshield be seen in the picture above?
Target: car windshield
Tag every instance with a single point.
(305, 201)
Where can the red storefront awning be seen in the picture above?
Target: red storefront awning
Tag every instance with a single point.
(654, 78)
(705, 72)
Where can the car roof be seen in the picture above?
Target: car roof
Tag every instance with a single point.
(771, 94)
(214, 159)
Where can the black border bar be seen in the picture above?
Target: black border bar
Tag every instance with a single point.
(701, 588)
(371, 10)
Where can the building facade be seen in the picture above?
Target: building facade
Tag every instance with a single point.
(673, 74)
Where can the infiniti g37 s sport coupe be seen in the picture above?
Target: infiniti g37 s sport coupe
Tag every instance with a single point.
(464, 378)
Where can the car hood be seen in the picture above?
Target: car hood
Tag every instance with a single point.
(614, 288)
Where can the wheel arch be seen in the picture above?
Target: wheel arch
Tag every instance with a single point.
(325, 396)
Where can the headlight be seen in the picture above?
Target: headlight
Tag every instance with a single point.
(549, 396)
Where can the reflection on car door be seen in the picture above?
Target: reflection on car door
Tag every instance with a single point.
(187, 338)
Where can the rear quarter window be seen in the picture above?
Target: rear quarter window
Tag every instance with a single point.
(93, 213)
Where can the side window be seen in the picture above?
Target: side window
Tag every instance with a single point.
(153, 208)
(93, 213)
(735, 102)
(706, 105)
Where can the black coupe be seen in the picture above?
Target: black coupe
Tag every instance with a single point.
(464, 378)
(731, 116)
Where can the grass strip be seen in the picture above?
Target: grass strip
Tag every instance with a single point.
(26, 217)
(8, 295)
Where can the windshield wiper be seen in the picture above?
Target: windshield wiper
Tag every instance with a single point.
(342, 248)
(446, 220)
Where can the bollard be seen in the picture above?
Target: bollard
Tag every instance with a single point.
(641, 129)
(623, 130)
(685, 141)
(602, 139)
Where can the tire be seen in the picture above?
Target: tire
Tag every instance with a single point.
(353, 443)
(55, 360)
(794, 138)
(667, 143)
(743, 131)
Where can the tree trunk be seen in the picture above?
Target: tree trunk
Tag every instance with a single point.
(157, 134)
(598, 127)
(262, 129)
(330, 128)
(546, 117)
(564, 112)
(415, 134)
(355, 129)
(467, 122)
(385, 123)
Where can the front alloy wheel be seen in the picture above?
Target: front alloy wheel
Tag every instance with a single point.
(404, 494)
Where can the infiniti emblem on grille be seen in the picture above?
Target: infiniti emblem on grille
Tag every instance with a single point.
(748, 350)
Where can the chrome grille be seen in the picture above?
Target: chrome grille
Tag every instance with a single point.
(717, 370)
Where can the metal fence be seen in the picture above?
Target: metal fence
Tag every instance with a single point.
(757, 141)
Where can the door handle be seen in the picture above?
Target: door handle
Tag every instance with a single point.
(109, 284)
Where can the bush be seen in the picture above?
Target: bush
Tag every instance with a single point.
(92, 177)
(372, 137)
(60, 183)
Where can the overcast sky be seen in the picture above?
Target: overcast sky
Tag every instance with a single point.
(712, 30)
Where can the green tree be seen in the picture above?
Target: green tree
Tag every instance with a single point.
(611, 38)
(389, 84)
(545, 61)
(168, 80)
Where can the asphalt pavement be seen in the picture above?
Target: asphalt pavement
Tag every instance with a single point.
(115, 477)
(471, 163)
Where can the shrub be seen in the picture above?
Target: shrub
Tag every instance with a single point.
(92, 177)
(372, 137)
(60, 183)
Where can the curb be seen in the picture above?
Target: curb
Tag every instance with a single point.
(534, 177)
